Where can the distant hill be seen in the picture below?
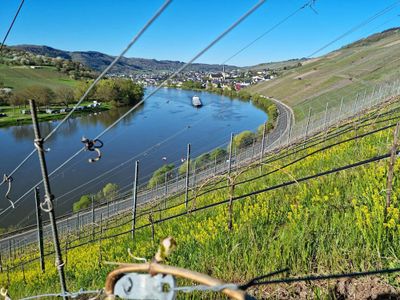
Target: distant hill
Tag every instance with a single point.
(99, 61)
(346, 72)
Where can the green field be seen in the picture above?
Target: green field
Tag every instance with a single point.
(19, 77)
(341, 73)
(15, 116)
(332, 223)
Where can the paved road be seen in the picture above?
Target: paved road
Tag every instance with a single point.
(284, 123)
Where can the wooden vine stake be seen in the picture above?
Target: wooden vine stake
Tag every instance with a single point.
(8, 276)
(100, 239)
(231, 193)
(393, 155)
(152, 225)
(66, 250)
(23, 272)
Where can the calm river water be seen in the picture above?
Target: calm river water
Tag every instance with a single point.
(157, 133)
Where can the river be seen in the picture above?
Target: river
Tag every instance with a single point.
(155, 134)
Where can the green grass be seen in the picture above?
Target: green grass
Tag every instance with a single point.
(15, 117)
(19, 77)
(342, 73)
(333, 223)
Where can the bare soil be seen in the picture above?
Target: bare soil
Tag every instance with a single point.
(372, 288)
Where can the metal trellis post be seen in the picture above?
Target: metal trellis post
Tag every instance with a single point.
(134, 197)
(166, 183)
(187, 176)
(93, 218)
(48, 197)
(308, 125)
(39, 225)
(326, 115)
(230, 155)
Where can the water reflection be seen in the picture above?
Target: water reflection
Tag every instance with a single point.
(159, 129)
(71, 125)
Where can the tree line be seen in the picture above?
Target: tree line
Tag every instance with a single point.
(240, 141)
(108, 193)
(17, 57)
(118, 92)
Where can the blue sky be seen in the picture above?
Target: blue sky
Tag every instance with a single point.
(189, 25)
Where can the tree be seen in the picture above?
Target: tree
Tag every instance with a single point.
(260, 129)
(82, 87)
(41, 94)
(19, 98)
(106, 90)
(183, 167)
(218, 155)
(191, 85)
(273, 112)
(84, 202)
(159, 175)
(110, 191)
(4, 97)
(65, 95)
(202, 161)
(128, 93)
(243, 139)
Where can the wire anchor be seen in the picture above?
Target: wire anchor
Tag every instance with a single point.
(48, 202)
(93, 145)
(4, 293)
(9, 180)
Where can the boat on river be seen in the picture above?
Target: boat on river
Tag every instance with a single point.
(196, 102)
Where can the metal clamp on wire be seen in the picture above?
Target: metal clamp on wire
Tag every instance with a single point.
(9, 180)
(93, 145)
(48, 202)
(38, 144)
(59, 265)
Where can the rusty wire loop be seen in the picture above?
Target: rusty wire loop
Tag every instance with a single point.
(9, 180)
(93, 145)
(4, 293)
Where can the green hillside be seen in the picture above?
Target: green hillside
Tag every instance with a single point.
(333, 222)
(342, 73)
(19, 77)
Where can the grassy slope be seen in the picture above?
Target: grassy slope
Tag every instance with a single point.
(275, 65)
(15, 117)
(342, 73)
(19, 77)
(333, 223)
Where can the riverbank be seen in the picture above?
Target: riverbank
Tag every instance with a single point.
(21, 116)
(279, 119)
(261, 102)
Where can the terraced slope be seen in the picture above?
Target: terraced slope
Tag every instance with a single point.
(19, 77)
(333, 221)
(340, 74)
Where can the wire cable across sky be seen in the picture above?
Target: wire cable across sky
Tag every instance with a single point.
(210, 45)
(269, 30)
(129, 46)
(11, 25)
(362, 24)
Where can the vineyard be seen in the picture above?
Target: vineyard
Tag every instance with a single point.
(318, 206)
